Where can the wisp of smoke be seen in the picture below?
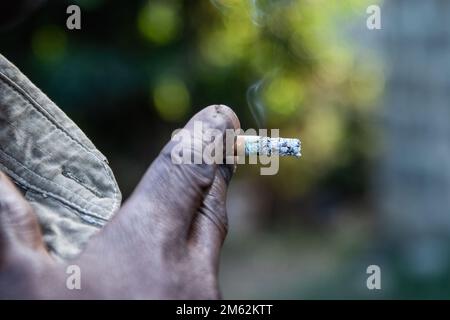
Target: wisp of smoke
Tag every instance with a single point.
(256, 104)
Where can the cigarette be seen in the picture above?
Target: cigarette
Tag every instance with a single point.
(258, 145)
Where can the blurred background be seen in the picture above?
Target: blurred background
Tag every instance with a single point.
(370, 106)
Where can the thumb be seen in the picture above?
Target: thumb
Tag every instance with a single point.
(170, 194)
(18, 222)
(210, 226)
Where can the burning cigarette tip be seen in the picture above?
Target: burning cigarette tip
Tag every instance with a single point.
(257, 145)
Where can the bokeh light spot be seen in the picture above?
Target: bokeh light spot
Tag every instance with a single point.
(171, 98)
(159, 22)
(324, 130)
(283, 95)
(49, 43)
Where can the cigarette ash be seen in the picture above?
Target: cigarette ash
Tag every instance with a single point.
(272, 146)
(288, 147)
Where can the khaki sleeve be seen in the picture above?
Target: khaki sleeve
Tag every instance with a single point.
(65, 178)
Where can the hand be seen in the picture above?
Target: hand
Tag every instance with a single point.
(163, 243)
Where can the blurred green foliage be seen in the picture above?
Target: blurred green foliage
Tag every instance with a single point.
(167, 59)
(313, 85)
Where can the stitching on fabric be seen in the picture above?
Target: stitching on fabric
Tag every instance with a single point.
(22, 95)
(15, 87)
(31, 186)
(69, 175)
(33, 196)
(27, 185)
(48, 180)
(64, 172)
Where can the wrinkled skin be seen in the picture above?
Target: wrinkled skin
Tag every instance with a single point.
(163, 243)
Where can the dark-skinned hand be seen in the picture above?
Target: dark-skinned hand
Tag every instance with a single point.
(164, 242)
